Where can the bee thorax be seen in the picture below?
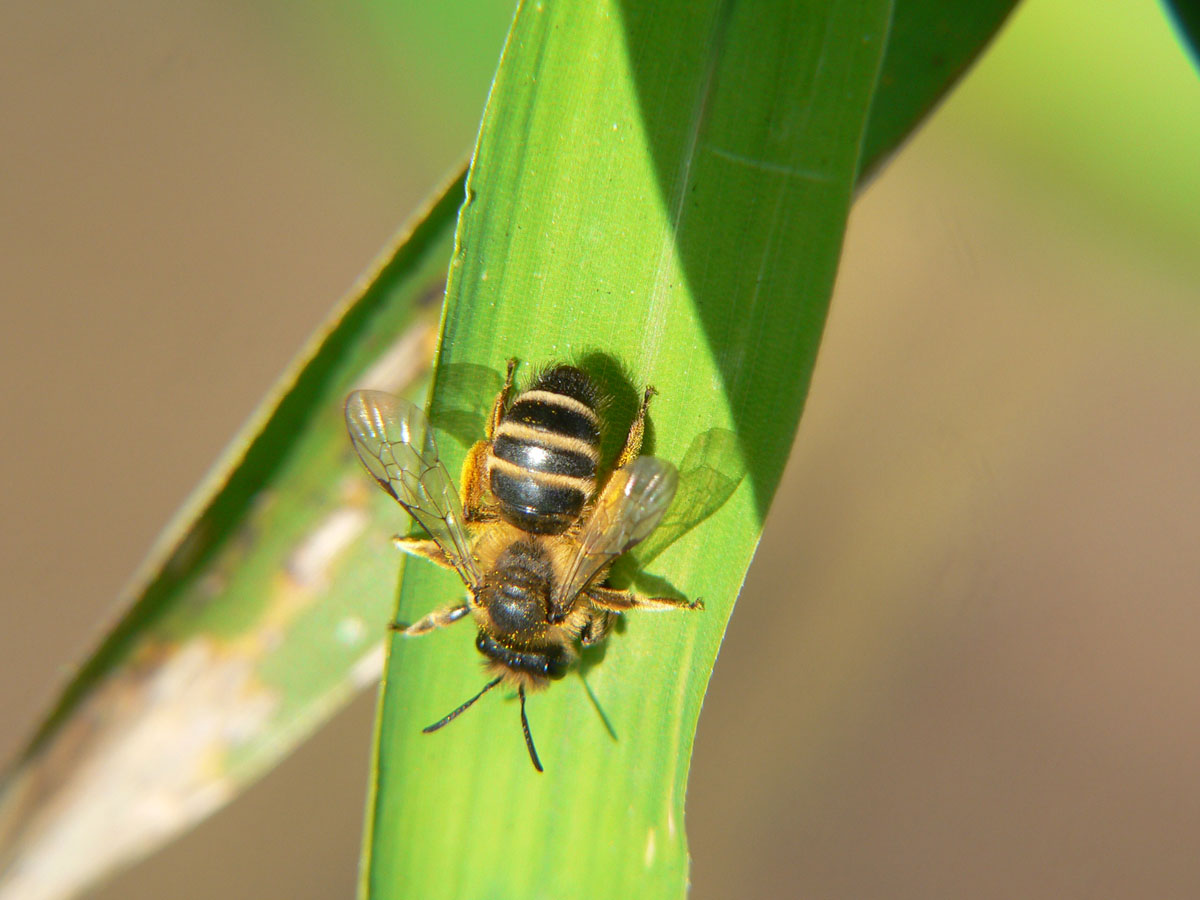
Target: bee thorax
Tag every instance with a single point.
(516, 593)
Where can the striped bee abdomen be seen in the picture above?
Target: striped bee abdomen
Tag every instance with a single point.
(542, 464)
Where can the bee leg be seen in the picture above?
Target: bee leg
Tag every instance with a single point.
(501, 400)
(637, 431)
(620, 601)
(474, 473)
(599, 623)
(439, 618)
(474, 483)
(426, 549)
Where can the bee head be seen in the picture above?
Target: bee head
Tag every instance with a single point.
(549, 661)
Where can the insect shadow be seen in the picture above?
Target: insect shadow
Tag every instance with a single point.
(711, 470)
(467, 393)
(709, 473)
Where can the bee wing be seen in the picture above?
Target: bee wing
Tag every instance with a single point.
(393, 439)
(631, 505)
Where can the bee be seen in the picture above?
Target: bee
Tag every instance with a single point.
(534, 534)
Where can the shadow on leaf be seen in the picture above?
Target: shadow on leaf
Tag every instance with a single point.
(711, 470)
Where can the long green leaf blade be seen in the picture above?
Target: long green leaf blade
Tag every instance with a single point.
(931, 44)
(658, 188)
(257, 613)
(1186, 14)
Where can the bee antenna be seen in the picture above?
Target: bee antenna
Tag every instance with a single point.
(525, 727)
(462, 709)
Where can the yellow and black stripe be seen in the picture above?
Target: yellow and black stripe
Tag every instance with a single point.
(542, 462)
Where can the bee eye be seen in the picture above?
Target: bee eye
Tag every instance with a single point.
(557, 664)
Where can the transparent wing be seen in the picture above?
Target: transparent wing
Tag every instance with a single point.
(709, 473)
(629, 508)
(393, 439)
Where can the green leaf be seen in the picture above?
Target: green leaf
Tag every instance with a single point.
(1186, 14)
(660, 191)
(259, 611)
(931, 44)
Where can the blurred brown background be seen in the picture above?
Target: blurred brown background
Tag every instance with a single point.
(963, 663)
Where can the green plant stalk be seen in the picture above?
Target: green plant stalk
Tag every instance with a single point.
(667, 184)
